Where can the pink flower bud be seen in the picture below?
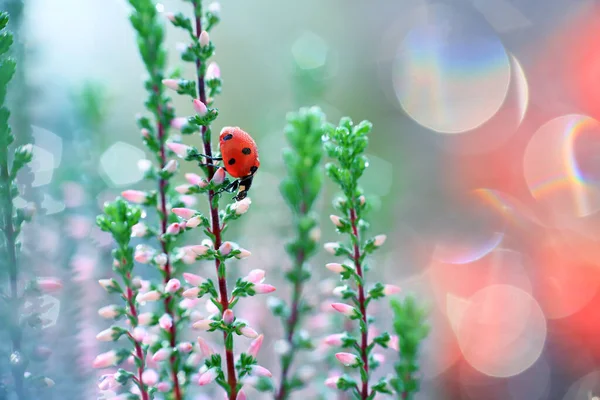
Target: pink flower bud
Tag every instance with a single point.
(179, 123)
(145, 133)
(348, 359)
(174, 228)
(161, 355)
(200, 107)
(380, 358)
(205, 348)
(204, 39)
(152, 295)
(248, 332)
(391, 289)
(143, 254)
(191, 293)
(379, 240)
(107, 283)
(171, 166)
(107, 335)
(257, 370)
(144, 165)
(344, 309)
(193, 222)
(185, 347)
(336, 220)
(195, 179)
(193, 279)
(362, 200)
(145, 318)
(219, 176)
(198, 249)
(207, 242)
(241, 395)
(182, 189)
(263, 288)
(165, 322)
(242, 206)
(111, 311)
(163, 387)
(207, 377)
(315, 234)
(170, 16)
(139, 334)
(394, 343)
(331, 247)
(188, 304)
(338, 291)
(149, 377)
(213, 71)
(256, 276)
(226, 248)
(179, 149)
(228, 317)
(255, 346)
(335, 267)
(105, 360)
(135, 196)
(49, 285)
(185, 213)
(172, 285)
(172, 84)
(202, 325)
(332, 381)
(108, 382)
(139, 230)
(335, 340)
(243, 254)
(161, 259)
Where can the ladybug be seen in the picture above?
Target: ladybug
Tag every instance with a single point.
(239, 154)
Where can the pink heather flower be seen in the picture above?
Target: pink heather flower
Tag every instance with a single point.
(205, 348)
(207, 242)
(182, 189)
(185, 347)
(391, 289)
(219, 176)
(170, 16)
(211, 307)
(165, 322)
(226, 248)
(228, 317)
(139, 230)
(143, 254)
(191, 293)
(107, 335)
(195, 179)
(144, 165)
(337, 221)
(49, 285)
(241, 395)
(257, 370)
(215, 9)
(213, 71)
(180, 149)
(185, 213)
(335, 267)
(145, 133)
(172, 84)
(338, 291)
(315, 234)
(161, 259)
(188, 304)
(380, 358)
(335, 340)
(256, 276)
(174, 228)
(105, 360)
(207, 377)
(263, 288)
(394, 343)
(108, 382)
(202, 325)
(379, 240)
(362, 200)
(139, 334)
(332, 381)
(172, 286)
(193, 279)
(200, 107)
(248, 332)
(150, 377)
(331, 247)
(255, 346)
(204, 39)
(107, 283)
(178, 123)
(145, 318)
(348, 359)
(152, 295)
(344, 309)
(135, 196)
(161, 355)
(171, 166)
(193, 222)
(242, 206)
(243, 254)
(163, 387)
(111, 311)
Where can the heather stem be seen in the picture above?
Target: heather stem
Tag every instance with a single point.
(138, 349)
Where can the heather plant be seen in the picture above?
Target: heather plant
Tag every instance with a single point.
(300, 190)
(345, 144)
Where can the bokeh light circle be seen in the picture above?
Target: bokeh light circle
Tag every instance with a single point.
(561, 166)
(585, 388)
(502, 331)
(451, 73)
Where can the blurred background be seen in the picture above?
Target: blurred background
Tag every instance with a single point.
(484, 171)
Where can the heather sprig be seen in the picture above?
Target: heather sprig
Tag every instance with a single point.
(119, 219)
(411, 329)
(300, 190)
(345, 144)
(225, 371)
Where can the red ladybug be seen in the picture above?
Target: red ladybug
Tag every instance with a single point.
(240, 159)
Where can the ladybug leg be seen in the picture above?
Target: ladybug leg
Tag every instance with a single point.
(210, 158)
(232, 187)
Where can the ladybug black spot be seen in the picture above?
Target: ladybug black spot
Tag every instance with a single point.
(228, 136)
(253, 169)
(231, 161)
(246, 150)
